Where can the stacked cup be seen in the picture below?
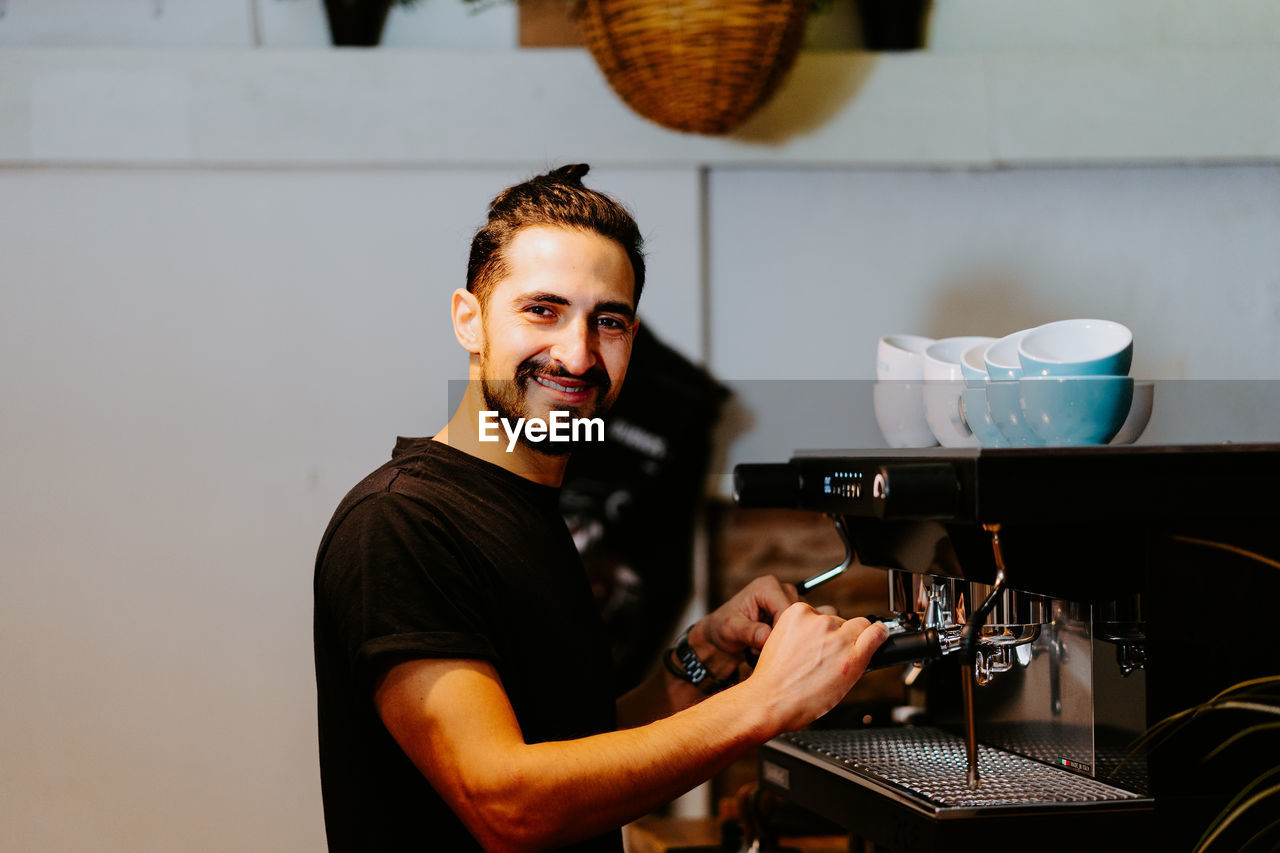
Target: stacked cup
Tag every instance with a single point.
(1061, 384)
(1004, 370)
(1075, 387)
(898, 399)
(973, 399)
(945, 384)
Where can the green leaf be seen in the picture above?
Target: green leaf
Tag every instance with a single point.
(1237, 811)
(1241, 734)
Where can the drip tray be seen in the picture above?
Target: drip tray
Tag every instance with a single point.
(926, 768)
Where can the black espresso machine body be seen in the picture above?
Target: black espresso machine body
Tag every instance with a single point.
(1134, 583)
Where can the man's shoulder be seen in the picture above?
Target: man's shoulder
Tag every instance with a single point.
(419, 469)
(429, 483)
(386, 489)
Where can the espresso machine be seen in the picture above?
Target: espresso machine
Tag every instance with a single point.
(1053, 606)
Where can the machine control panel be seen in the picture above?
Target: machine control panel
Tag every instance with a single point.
(843, 484)
(1013, 485)
(868, 488)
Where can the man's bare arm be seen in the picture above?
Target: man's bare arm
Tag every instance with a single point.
(454, 721)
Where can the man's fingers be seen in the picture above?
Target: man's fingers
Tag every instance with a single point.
(864, 636)
(792, 612)
(739, 631)
(772, 597)
(869, 639)
(857, 626)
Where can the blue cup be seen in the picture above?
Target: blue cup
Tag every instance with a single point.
(1004, 404)
(973, 403)
(1077, 348)
(972, 366)
(1001, 358)
(1070, 411)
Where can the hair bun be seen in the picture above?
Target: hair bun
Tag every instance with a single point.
(572, 173)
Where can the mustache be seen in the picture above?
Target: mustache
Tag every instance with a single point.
(533, 366)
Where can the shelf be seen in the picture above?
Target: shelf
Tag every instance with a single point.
(390, 108)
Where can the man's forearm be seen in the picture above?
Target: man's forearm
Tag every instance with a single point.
(554, 793)
(660, 695)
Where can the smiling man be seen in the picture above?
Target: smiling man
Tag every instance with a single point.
(465, 698)
(554, 334)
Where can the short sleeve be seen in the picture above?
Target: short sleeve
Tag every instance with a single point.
(396, 586)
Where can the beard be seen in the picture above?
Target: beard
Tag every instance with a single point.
(510, 397)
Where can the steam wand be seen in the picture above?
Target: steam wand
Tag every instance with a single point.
(842, 528)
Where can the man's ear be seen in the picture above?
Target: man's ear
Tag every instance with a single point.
(468, 324)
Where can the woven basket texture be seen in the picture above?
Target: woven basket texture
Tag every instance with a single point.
(700, 66)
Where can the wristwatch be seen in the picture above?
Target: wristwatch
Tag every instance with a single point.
(683, 662)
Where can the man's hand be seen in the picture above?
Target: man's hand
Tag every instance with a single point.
(742, 623)
(811, 661)
(722, 640)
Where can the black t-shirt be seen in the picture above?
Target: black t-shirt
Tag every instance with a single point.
(440, 554)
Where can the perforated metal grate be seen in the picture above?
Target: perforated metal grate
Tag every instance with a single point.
(931, 764)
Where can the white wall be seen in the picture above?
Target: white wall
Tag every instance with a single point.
(244, 23)
(128, 23)
(196, 363)
(1184, 257)
(195, 366)
(809, 268)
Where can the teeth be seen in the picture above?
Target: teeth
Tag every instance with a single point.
(558, 386)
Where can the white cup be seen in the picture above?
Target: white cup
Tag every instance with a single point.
(899, 408)
(1144, 393)
(942, 358)
(900, 358)
(944, 383)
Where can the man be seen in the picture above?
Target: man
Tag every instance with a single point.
(463, 680)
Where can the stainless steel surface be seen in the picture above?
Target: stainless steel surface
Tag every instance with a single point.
(1012, 607)
(928, 765)
(992, 661)
(1029, 661)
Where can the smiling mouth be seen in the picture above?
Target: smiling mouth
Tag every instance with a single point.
(564, 389)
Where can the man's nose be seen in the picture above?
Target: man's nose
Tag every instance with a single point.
(574, 348)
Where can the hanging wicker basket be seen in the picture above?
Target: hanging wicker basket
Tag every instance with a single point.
(701, 66)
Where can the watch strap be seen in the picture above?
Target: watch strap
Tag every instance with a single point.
(683, 662)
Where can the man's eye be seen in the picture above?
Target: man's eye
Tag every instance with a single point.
(612, 324)
(540, 310)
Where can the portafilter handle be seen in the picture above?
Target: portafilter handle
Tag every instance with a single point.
(909, 646)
